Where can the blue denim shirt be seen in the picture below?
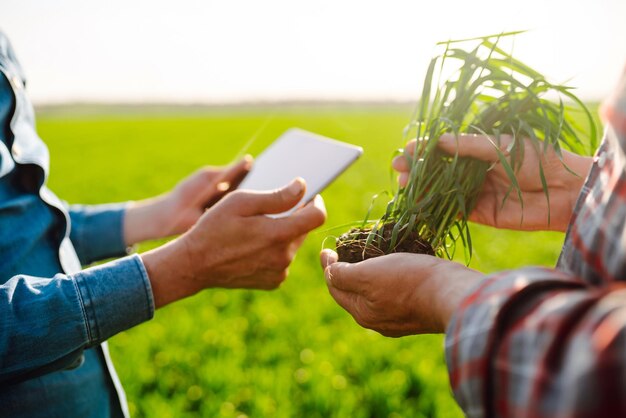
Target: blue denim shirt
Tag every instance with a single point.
(55, 317)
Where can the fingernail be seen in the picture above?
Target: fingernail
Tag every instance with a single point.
(319, 203)
(446, 137)
(222, 186)
(296, 186)
(248, 161)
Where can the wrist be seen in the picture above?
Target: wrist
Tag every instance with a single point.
(581, 166)
(145, 220)
(170, 273)
(454, 283)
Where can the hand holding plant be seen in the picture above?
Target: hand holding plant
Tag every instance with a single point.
(491, 206)
(521, 122)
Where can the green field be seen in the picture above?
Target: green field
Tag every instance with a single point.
(288, 353)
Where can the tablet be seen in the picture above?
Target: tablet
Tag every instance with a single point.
(298, 153)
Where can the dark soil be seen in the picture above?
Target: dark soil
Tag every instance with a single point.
(351, 246)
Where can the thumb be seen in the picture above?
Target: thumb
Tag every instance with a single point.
(343, 276)
(328, 257)
(276, 201)
(480, 147)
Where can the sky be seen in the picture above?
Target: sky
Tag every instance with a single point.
(192, 51)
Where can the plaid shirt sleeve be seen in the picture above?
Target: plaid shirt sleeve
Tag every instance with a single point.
(540, 342)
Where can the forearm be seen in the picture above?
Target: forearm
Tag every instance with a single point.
(145, 220)
(45, 323)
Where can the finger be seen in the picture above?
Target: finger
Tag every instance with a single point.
(328, 257)
(229, 179)
(296, 244)
(344, 299)
(235, 174)
(250, 203)
(401, 164)
(480, 147)
(207, 174)
(345, 277)
(409, 148)
(303, 220)
(403, 179)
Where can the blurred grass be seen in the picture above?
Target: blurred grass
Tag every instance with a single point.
(288, 353)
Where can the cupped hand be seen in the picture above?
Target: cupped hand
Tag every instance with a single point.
(399, 294)
(564, 187)
(235, 245)
(178, 210)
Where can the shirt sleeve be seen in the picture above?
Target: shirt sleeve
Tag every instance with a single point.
(46, 323)
(97, 231)
(538, 342)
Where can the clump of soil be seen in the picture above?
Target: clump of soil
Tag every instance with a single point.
(351, 246)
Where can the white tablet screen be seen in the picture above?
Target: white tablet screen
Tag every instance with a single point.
(298, 153)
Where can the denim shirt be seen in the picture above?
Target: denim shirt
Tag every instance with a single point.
(55, 317)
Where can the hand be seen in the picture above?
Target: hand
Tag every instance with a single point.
(564, 187)
(399, 294)
(178, 210)
(235, 245)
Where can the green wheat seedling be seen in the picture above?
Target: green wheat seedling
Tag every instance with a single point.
(490, 93)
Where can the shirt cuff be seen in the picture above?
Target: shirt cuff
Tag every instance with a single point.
(115, 296)
(97, 231)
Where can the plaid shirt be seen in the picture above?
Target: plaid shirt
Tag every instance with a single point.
(540, 342)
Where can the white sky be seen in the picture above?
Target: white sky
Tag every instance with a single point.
(234, 50)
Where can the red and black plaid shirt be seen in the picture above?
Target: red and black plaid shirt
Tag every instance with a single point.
(539, 342)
